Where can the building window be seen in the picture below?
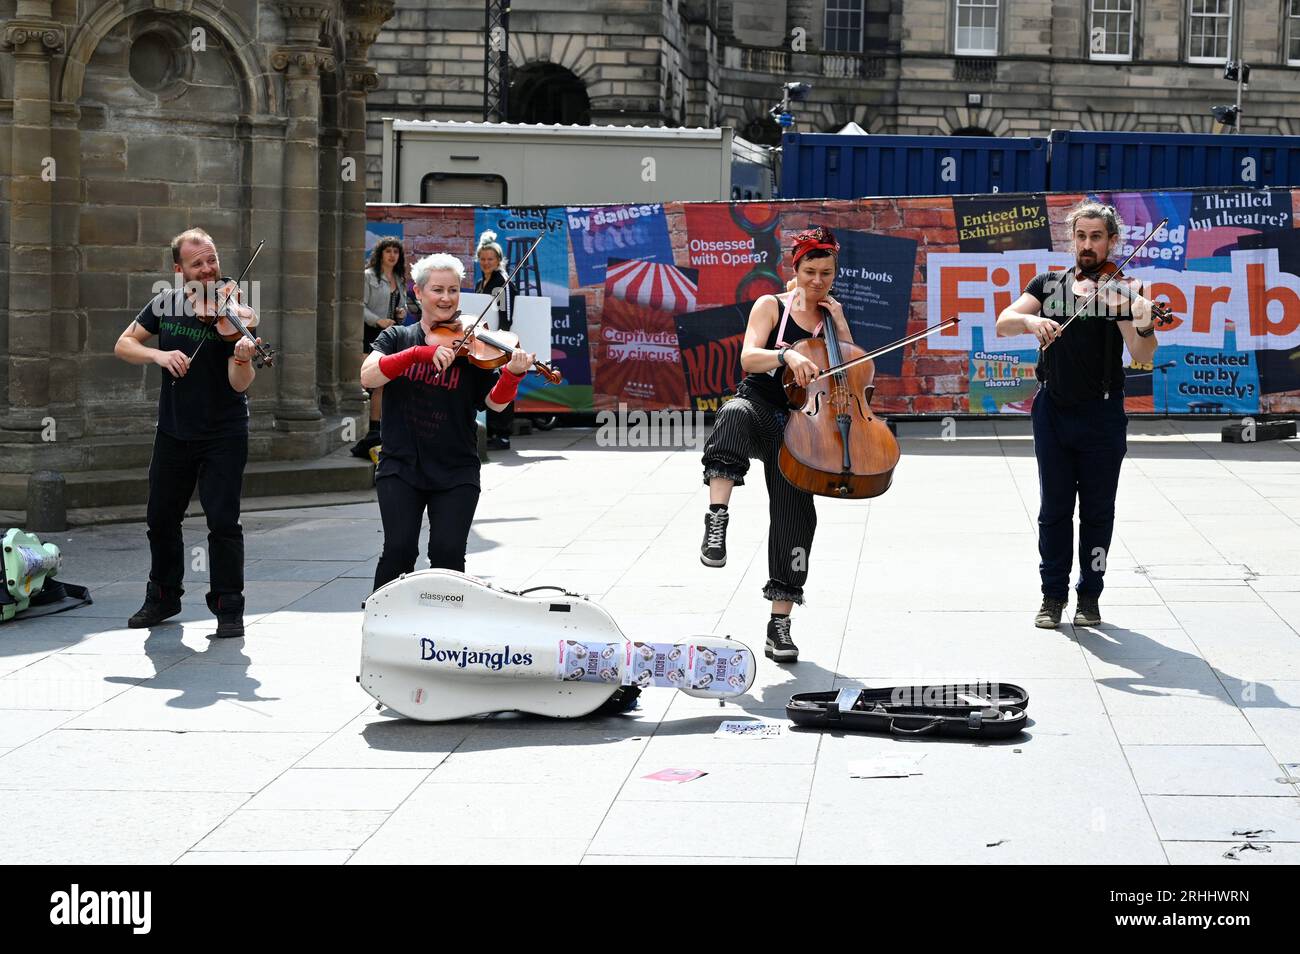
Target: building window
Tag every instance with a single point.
(1110, 32)
(844, 26)
(977, 28)
(1210, 33)
(1293, 34)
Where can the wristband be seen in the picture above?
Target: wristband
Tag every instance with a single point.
(780, 357)
(1148, 333)
(507, 386)
(241, 363)
(395, 365)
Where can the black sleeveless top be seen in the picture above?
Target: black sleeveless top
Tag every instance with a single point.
(766, 385)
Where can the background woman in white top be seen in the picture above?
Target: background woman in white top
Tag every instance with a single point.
(384, 305)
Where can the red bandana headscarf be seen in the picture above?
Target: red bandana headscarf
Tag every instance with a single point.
(814, 238)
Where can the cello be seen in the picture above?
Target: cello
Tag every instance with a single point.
(835, 445)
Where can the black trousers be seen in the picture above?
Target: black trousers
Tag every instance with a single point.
(748, 427)
(216, 465)
(402, 509)
(1080, 449)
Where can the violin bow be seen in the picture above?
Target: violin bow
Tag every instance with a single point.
(885, 349)
(1109, 278)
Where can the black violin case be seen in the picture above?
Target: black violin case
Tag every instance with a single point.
(977, 711)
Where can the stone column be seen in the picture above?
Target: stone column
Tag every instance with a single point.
(364, 20)
(301, 60)
(34, 38)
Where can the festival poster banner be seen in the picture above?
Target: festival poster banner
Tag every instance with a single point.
(1220, 219)
(710, 343)
(1207, 380)
(1279, 368)
(1002, 223)
(637, 361)
(1002, 380)
(1141, 212)
(570, 356)
(874, 286)
(547, 272)
(736, 250)
(600, 233)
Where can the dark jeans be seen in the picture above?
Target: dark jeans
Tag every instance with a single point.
(402, 508)
(1079, 450)
(217, 466)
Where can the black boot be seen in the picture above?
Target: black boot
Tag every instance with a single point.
(159, 604)
(780, 647)
(229, 610)
(713, 551)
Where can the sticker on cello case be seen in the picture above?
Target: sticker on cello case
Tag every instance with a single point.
(417, 696)
(657, 664)
(719, 669)
(588, 662)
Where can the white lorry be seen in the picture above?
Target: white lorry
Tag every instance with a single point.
(454, 163)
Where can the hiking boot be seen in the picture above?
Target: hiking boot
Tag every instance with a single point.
(1086, 611)
(229, 610)
(713, 551)
(1049, 615)
(780, 647)
(158, 606)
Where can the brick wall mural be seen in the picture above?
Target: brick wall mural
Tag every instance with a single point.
(653, 306)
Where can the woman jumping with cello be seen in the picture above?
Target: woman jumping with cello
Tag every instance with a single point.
(752, 424)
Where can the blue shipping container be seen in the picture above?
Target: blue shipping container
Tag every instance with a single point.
(1109, 161)
(828, 165)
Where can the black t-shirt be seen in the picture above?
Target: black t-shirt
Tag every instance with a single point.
(202, 404)
(1087, 361)
(430, 438)
(767, 384)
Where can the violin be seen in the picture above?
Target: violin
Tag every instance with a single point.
(227, 324)
(1109, 272)
(486, 349)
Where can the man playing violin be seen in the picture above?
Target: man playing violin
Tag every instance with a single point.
(752, 424)
(429, 458)
(202, 435)
(1080, 428)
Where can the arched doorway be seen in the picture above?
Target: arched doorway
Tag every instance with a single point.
(547, 93)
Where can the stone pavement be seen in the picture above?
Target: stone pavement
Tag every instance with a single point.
(1153, 739)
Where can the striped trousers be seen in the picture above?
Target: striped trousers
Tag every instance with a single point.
(745, 428)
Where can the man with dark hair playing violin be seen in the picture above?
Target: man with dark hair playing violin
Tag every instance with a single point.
(1080, 428)
(752, 424)
(429, 458)
(202, 435)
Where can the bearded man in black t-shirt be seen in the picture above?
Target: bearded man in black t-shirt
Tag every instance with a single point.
(428, 460)
(202, 435)
(1080, 428)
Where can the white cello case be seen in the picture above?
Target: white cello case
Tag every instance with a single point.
(437, 645)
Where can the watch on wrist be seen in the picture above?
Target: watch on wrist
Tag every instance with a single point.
(1147, 332)
(780, 357)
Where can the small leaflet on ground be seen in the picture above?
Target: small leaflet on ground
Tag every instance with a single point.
(748, 729)
(886, 766)
(675, 775)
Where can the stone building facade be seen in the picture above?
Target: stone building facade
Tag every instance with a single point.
(892, 66)
(123, 122)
